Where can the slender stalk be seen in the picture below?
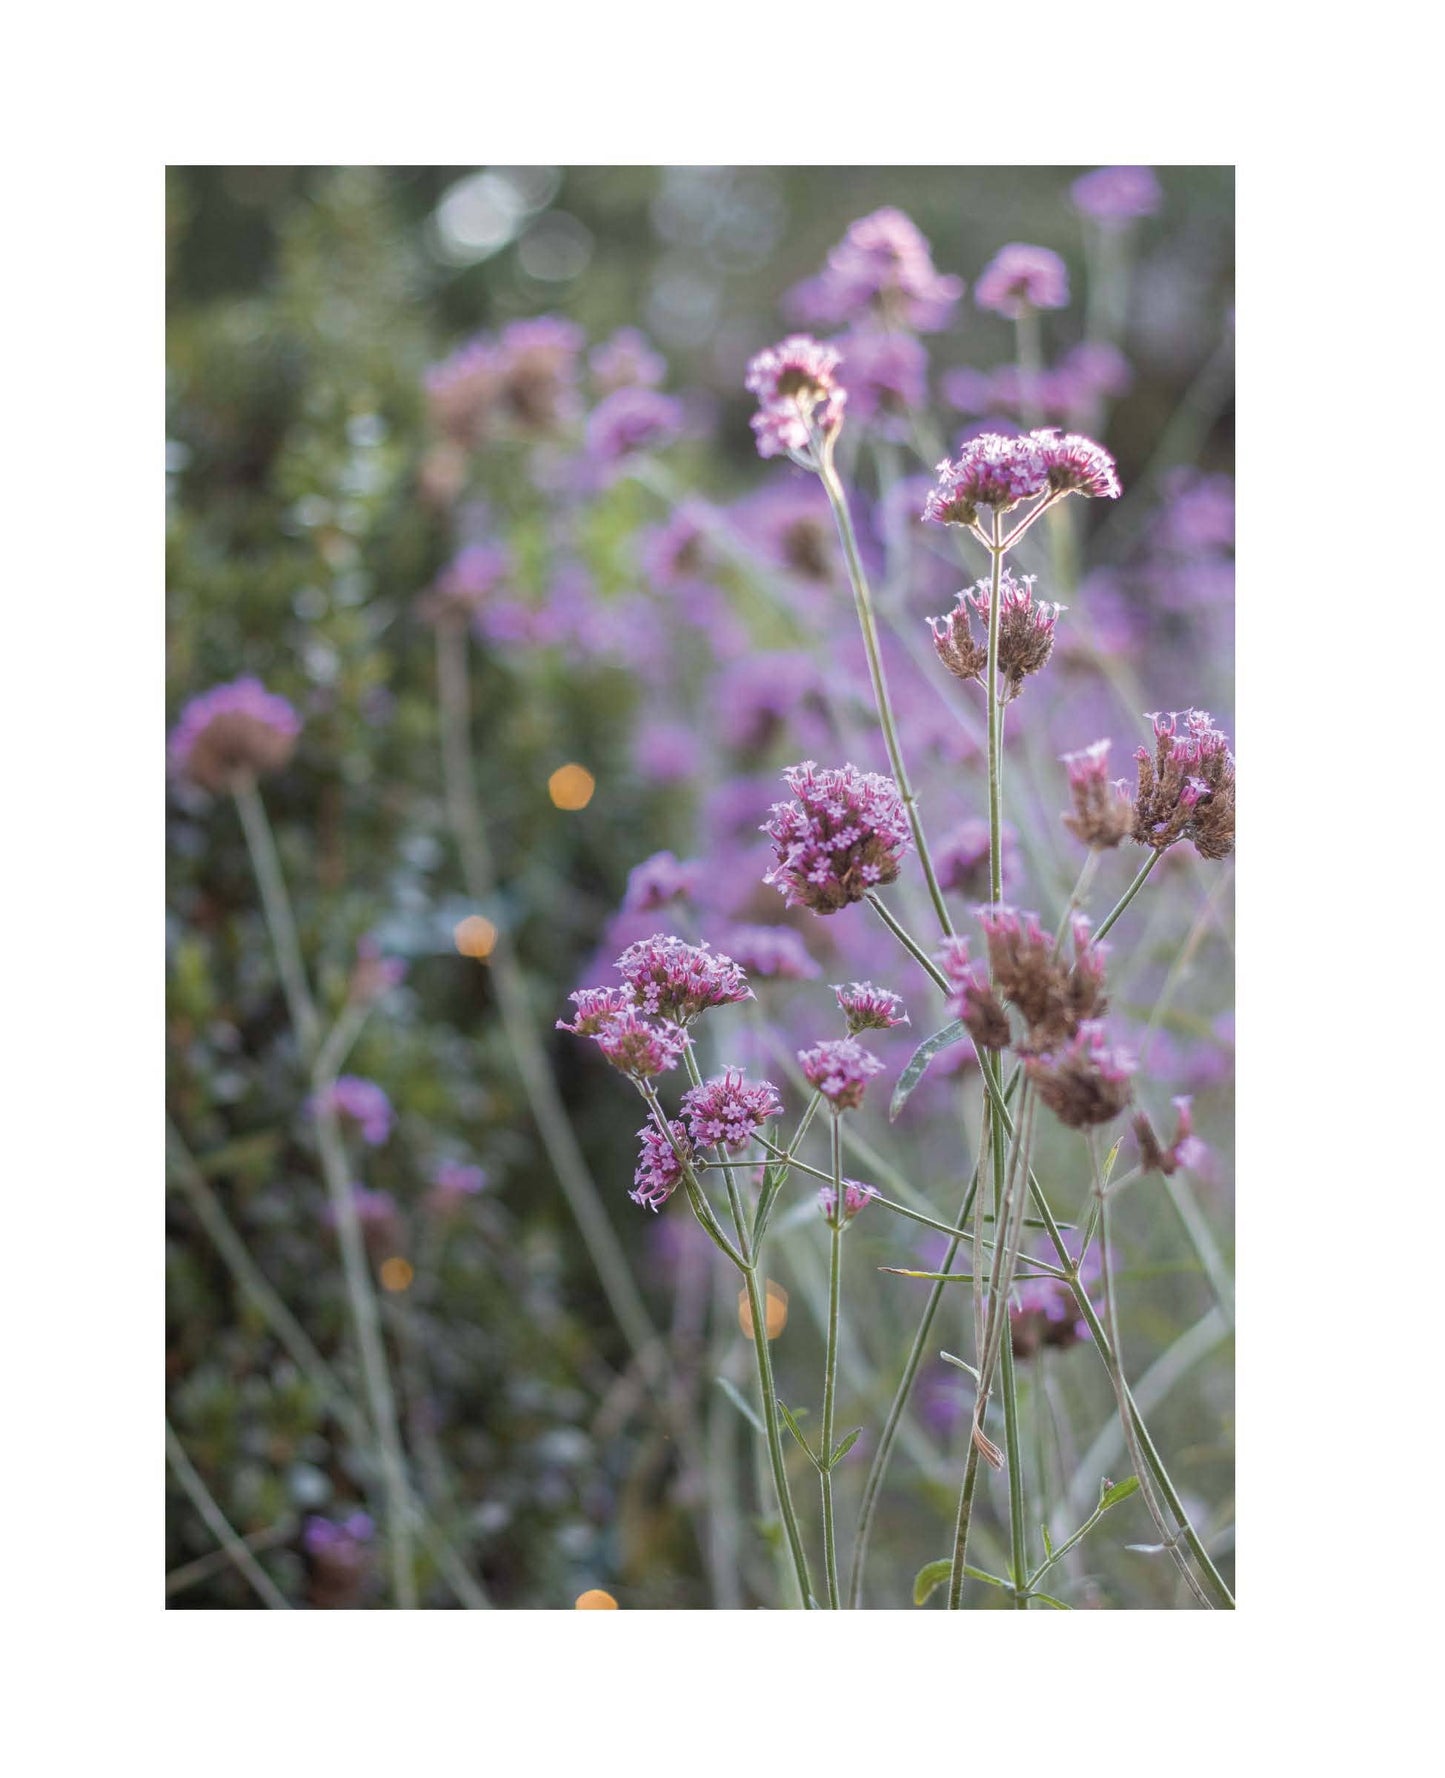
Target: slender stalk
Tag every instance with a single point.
(906, 939)
(276, 906)
(828, 475)
(1141, 877)
(219, 1526)
(830, 1370)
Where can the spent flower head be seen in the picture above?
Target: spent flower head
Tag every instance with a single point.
(844, 835)
(1103, 807)
(840, 1070)
(1025, 634)
(1185, 1150)
(972, 998)
(233, 733)
(1084, 1081)
(1186, 791)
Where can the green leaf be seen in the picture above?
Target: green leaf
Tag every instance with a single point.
(1119, 1491)
(939, 1277)
(960, 1364)
(1048, 1542)
(919, 1060)
(929, 1578)
(742, 1406)
(845, 1446)
(1049, 1599)
(792, 1426)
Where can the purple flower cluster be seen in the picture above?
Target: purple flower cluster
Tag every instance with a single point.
(840, 1070)
(630, 421)
(1025, 638)
(1186, 791)
(1019, 278)
(798, 396)
(1103, 808)
(971, 998)
(1185, 1150)
(595, 1006)
(673, 980)
(626, 361)
(659, 880)
(845, 835)
(1052, 996)
(1084, 1082)
(361, 1102)
(659, 1168)
(1067, 390)
(525, 380)
(231, 733)
(772, 952)
(886, 376)
(1076, 465)
(867, 1008)
(1045, 1311)
(466, 583)
(453, 1183)
(961, 858)
(640, 1047)
(881, 269)
(1116, 195)
(996, 471)
(856, 1197)
(726, 1110)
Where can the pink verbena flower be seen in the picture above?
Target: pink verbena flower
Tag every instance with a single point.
(639, 1047)
(867, 1008)
(674, 980)
(1019, 278)
(659, 1165)
(626, 361)
(537, 366)
(1103, 807)
(231, 733)
(1084, 1082)
(840, 1070)
(361, 1102)
(845, 835)
(772, 952)
(886, 376)
(726, 1110)
(856, 1197)
(659, 880)
(1074, 464)
(881, 268)
(1115, 195)
(594, 1007)
(1186, 1150)
(971, 998)
(1186, 792)
(630, 421)
(798, 394)
(1025, 635)
(992, 470)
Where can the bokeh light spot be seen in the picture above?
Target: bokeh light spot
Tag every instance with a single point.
(594, 1599)
(571, 787)
(396, 1273)
(475, 937)
(776, 1299)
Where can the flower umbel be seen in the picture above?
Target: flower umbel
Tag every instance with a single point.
(659, 1166)
(1019, 278)
(840, 1070)
(798, 395)
(856, 1197)
(727, 1109)
(992, 470)
(1103, 808)
(1085, 1082)
(638, 1047)
(972, 999)
(674, 980)
(1186, 792)
(845, 835)
(867, 1008)
(232, 733)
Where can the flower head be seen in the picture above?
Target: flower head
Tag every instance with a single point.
(971, 998)
(797, 393)
(885, 374)
(867, 1008)
(594, 1007)
(1019, 278)
(772, 952)
(674, 980)
(1186, 791)
(632, 420)
(1084, 1082)
(844, 835)
(537, 370)
(232, 733)
(626, 361)
(1025, 634)
(637, 1046)
(466, 583)
(991, 470)
(1074, 464)
(726, 1110)
(452, 1184)
(1116, 195)
(1186, 1150)
(881, 269)
(840, 1070)
(659, 880)
(361, 1102)
(961, 858)
(856, 1197)
(1103, 808)
(1052, 996)
(659, 1165)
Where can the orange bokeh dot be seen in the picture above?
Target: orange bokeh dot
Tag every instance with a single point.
(571, 786)
(594, 1599)
(475, 937)
(396, 1273)
(777, 1308)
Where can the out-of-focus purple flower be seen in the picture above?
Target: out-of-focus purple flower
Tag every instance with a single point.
(373, 973)
(968, 390)
(677, 554)
(1074, 464)
(453, 1183)
(856, 1197)
(840, 1070)
(773, 952)
(674, 980)
(867, 1008)
(338, 1558)
(790, 524)
(1091, 369)
(726, 1110)
(232, 733)
(1198, 512)
(961, 859)
(1185, 1150)
(659, 1170)
(639, 1047)
(462, 389)
(798, 394)
(1116, 195)
(380, 1220)
(594, 1007)
(886, 376)
(971, 998)
(466, 583)
(845, 834)
(1085, 1082)
(758, 695)
(882, 269)
(659, 880)
(626, 361)
(991, 470)
(538, 370)
(1187, 790)
(1020, 277)
(666, 752)
(363, 1103)
(322, 1534)
(1103, 808)
(630, 421)
(1045, 1311)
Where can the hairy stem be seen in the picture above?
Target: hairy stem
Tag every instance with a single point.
(830, 1369)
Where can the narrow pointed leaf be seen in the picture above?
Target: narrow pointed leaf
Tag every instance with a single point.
(845, 1446)
(931, 1576)
(792, 1426)
(919, 1060)
(1120, 1491)
(741, 1404)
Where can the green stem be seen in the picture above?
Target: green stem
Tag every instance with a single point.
(830, 1370)
(219, 1526)
(828, 475)
(1141, 877)
(276, 906)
